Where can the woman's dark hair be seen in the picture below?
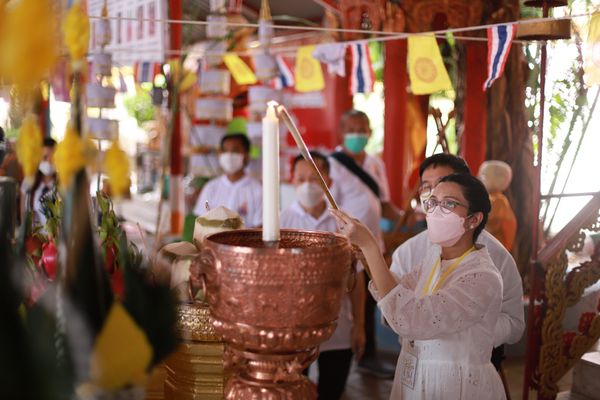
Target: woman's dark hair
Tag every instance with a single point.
(457, 164)
(476, 195)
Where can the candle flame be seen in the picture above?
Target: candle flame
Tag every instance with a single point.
(273, 104)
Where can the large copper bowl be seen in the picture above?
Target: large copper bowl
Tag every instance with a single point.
(274, 305)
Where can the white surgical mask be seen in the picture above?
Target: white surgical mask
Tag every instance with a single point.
(231, 162)
(46, 168)
(309, 194)
(444, 229)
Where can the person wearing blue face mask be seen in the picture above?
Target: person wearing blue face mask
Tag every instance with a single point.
(362, 190)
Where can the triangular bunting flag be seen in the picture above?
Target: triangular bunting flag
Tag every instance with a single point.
(240, 71)
(285, 78)
(309, 76)
(425, 66)
(362, 76)
(591, 59)
(500, 38)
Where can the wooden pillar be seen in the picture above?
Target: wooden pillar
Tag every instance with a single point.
(176, 175)
(395, 140)
(473, 141)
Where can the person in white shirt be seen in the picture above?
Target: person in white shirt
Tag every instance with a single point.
(234, 189)
(447, 307)
(43, 183)
(511, 324)
(309, 212)
(362, 190)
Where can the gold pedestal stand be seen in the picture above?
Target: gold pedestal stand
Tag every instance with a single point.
(195, 371)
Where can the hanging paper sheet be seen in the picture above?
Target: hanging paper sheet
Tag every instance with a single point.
(334, 56)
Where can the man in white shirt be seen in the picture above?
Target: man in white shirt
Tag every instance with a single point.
(234, 189)
(511, 324)
(309, 212)
(362, 190)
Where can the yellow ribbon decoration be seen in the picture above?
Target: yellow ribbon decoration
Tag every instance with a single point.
(445, 275)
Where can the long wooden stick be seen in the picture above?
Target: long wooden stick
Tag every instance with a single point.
(305, 152)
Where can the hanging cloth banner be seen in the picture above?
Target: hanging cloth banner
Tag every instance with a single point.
(362, 76)
(425, 66)
(285, 78)
(240, 71)
(591, 54)
(500, 39)
(334, 55)
(309, 76)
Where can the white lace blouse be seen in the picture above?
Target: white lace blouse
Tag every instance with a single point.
(448, 336)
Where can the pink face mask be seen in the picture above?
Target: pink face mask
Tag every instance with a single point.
(444, 229)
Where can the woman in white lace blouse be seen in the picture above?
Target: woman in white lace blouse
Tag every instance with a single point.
(445, 309)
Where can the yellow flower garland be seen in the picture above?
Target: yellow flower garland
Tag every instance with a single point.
(116, 166)
(29, 42)
(76, 30)
(30, 145)
(69, 157)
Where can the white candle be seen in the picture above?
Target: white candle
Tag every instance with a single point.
(270, 174)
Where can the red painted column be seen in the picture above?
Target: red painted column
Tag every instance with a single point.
(473, 146)
(176, 175)
(395, 140)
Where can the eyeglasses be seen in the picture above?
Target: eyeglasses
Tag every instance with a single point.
(446, 205)
(426, 188)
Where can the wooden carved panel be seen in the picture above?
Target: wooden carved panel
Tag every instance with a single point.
(560, 350)
(420, 14)
(355, 12)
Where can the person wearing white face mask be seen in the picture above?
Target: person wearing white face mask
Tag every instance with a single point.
(511, 322)
(309, 212)
(447, 307)
(362, 190)
(43, 183)
(234, 189)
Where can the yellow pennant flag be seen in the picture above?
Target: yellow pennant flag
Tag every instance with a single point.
(425, 66)
(309, 76)
(240, 71)
(591, 58)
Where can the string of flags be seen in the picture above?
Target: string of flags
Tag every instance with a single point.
(426, 68)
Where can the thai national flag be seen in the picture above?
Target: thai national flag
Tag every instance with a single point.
(362, 77)
(285, 77)
(145, 71)
(500, 38)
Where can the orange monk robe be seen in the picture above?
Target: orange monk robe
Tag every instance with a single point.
(502, 223)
